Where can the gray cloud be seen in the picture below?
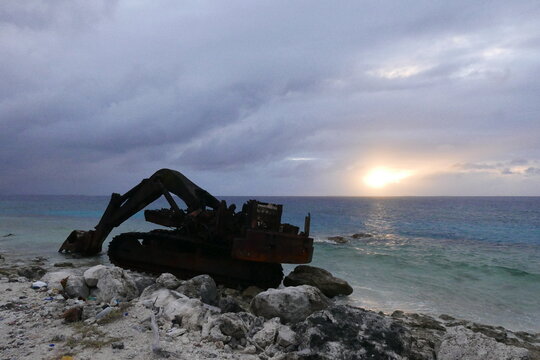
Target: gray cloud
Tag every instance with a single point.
(106, 92)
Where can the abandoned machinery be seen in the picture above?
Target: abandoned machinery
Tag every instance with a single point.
(237, 248)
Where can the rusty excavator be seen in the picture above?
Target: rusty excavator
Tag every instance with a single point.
(236, 248)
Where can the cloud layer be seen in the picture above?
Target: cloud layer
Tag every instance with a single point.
(270, 98)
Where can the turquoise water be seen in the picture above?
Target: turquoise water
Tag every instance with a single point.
(471, 257)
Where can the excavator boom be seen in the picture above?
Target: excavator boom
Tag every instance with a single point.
(122, 207)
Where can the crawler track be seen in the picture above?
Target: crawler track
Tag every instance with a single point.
(168, 251)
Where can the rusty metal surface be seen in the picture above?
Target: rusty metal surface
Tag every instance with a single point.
(164, 217)
(273, 247)
(158, 253)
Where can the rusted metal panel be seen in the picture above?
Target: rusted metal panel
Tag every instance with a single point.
(267, 246)
(158, 253)
(164, 217)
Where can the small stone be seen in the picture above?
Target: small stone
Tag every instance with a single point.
(175, 332)
(58, 338)
(338, 239)
(267, 334)
(119, 345)
(446, 317)
(285, 336)
(250, 349)
(361, 235)
(229, 304)
(231, 292)
(251, 291)
(63, 264)
(90, 321)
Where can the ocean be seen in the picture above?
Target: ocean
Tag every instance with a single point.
(474, 258)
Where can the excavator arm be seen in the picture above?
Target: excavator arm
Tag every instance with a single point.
(122, 207)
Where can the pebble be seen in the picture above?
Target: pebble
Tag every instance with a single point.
(250, 349)
(117, 345)
(63, 264)
(58, 338)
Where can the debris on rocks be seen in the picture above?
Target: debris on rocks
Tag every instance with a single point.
(73, 314)
(39, 284)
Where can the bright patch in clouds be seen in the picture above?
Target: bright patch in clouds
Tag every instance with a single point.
(301, 159)
(398, 72)
(381, 176)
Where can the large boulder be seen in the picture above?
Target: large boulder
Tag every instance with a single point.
(323, 280)
(114, 284)
(142, 281)
(201, 287)
(343, 332)
(76, 287)
(54, 279)
(92, 275)
(291, 304)
(189, 313)
(156, 296)
(462, 343)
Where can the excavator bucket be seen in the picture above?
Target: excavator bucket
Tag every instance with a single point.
(81, 242)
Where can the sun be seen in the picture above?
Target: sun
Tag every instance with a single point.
(380, 177)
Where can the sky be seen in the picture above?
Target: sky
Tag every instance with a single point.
(348, 98)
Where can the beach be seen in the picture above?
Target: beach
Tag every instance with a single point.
(41, 322)
(469, 257)
(435, 278)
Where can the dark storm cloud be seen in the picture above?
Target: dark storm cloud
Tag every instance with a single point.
(94, 95)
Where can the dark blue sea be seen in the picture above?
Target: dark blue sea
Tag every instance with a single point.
(476, 258)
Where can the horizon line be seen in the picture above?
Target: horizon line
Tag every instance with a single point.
(304, 196)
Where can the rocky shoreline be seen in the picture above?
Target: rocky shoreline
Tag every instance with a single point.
(105, 312)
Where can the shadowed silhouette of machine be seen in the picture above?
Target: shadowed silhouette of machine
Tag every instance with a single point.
(237, 248)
